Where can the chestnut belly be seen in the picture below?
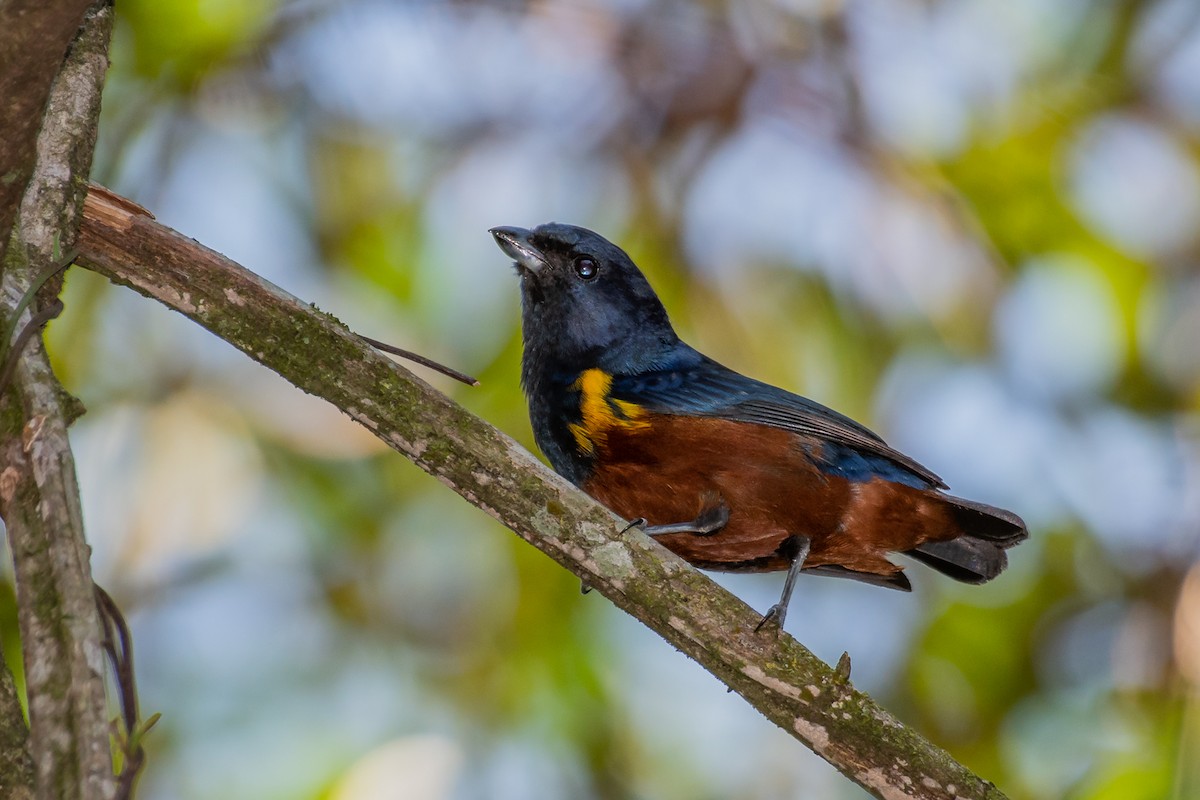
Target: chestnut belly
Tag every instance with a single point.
(676, 467)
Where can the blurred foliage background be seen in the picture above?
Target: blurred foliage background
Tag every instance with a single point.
(972, 224)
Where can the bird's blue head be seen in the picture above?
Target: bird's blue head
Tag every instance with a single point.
(585, 304)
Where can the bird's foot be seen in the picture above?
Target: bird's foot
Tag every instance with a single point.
(775, 614)
(797, 547)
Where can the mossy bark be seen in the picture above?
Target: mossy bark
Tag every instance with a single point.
(34, 36)
(773, 672)
(16, 765)
(39, 498)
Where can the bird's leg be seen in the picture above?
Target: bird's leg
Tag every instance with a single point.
(778, 612)
(709, 521)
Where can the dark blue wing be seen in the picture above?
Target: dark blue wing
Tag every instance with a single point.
(693, 384)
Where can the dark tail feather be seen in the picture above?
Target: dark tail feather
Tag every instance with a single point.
(977, 555)
(897, 580)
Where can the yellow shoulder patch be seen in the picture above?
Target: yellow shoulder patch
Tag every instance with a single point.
(599, 413)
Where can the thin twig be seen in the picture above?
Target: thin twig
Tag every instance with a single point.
(120, 653)
(420, 359)
(31, 328)
(35, 286)
(119, 648)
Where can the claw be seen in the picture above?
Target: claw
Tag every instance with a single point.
(775, 613)
(640, 522)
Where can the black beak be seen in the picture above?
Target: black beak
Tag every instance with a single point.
(515, 244)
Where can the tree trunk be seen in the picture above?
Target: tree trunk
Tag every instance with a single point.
(39, 498)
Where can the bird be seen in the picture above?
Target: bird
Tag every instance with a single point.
(728, 472)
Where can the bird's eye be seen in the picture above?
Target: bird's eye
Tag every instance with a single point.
(585, 267)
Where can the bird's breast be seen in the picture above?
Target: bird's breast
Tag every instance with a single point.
(576, 419)
(600, 414)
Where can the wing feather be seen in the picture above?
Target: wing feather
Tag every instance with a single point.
(695, 384)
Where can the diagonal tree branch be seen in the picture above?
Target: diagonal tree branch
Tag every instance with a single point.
(39, 497)
(775, 674)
